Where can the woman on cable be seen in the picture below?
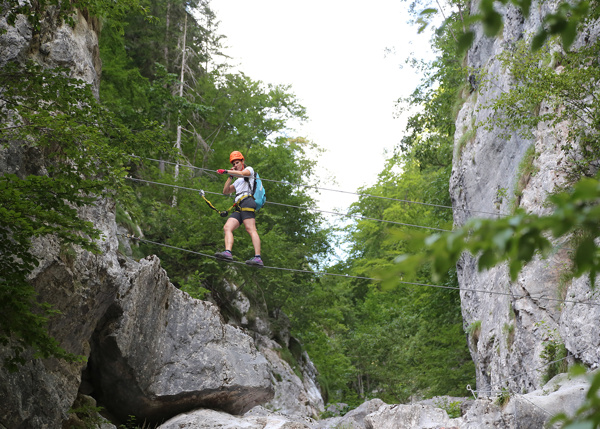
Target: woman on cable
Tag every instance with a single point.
(244, 207)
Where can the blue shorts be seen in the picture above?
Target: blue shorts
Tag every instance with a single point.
(241, 216)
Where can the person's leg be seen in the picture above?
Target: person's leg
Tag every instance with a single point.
(250, 225)
(231, 225)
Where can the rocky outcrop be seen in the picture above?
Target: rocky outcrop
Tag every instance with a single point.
(407, 417)
(256, 418)
(514, 330)
(55, 45)
(81, 286)
(157, 352)
(354, 419)
(529, 411)
(296, 392)
(153, 350)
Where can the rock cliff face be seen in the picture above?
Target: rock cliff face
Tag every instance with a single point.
(152, 350)
(514, 329)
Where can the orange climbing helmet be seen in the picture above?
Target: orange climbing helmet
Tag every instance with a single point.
(236, 155)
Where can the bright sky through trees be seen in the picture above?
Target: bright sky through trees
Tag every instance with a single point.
(344, 61)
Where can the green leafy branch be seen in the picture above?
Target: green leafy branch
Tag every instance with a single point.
(517, 239)
(566, 86)
(564, 22)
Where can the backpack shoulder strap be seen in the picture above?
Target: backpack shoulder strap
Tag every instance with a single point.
(254, 185)
(247, 179)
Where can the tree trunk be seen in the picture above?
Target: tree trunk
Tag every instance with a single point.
(168, 24)
(178, 140)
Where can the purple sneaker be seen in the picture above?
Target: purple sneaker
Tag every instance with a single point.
(224, 256)
(255, 262)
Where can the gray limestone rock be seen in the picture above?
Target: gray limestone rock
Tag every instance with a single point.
(354, 419)
(518, 319)
(275, 418)
(296, 391)
(14, 43)
(483, 414)
(209, 419)
(81, 286)
(407, 417)
(532, 410)
(159, 352)
(257, 418)
(56, 44)
(293, 396)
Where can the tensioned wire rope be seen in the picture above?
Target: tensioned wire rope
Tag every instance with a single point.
(348, 276)
(350, 215)
(296, 207)
(337, 214)
(332, 190)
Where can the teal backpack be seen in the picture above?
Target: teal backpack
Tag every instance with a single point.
(258, 192)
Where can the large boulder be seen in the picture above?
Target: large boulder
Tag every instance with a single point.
(407, 417)
(354, 419)
(256, 418)
(159, 352)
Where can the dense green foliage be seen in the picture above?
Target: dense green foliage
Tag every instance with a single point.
(389, 340)
(215, 112)
(64, 11)
(44, 199)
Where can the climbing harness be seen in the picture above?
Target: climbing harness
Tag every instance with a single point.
(237, 207)
(325, 273)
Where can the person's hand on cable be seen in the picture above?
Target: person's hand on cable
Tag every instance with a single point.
(221, 171)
